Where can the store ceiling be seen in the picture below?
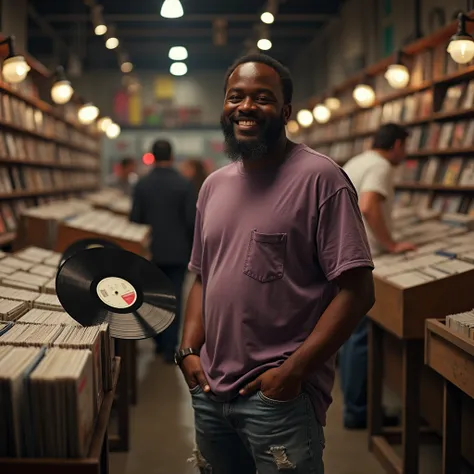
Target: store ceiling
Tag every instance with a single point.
(146, 37)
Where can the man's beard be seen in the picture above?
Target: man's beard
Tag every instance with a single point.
(251, 149)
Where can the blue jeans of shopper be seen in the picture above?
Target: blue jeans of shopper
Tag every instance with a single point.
(255, 433)
(353, 371)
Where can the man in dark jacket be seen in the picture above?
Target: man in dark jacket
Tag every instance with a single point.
(166, 201)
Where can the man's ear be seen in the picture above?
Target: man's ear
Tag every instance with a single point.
(287, 109)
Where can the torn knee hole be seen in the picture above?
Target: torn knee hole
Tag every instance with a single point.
(280, 457)
(199, 461)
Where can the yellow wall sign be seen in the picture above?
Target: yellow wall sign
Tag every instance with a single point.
(164, 87)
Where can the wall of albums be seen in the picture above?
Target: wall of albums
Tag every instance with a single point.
(436, 104)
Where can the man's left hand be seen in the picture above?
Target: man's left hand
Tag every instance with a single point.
(276, 384)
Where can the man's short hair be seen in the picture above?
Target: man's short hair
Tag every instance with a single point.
(285, 75)
(387, 135)
(162, 150)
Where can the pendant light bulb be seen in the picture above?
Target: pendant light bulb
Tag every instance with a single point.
(293, 127)
(364, 95)
(61, 92)
(332, 103)
(172, 9)
(397, 76)
(305, 118)
(15, 69)
(461, 50)
(321, 113)
(87, 113)
(112, 131)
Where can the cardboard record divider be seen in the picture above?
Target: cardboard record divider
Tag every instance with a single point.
(117, 287)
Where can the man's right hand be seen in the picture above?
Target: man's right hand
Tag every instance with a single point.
(401, 247)
(193, 373)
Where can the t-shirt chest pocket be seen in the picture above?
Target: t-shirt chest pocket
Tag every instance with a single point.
(266, 254)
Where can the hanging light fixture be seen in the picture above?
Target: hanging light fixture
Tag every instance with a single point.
(461, 45)
(268, 16)
(112, 41)
(87, 113)
(178, 53)
(104, 123)
(100, 28)
(293, 127)
(14, 67)
(321, 113)
(264, 42)
(397, 74)
(61, 90)
(126, 67)
(112, 131)
(305, 118)
(332, 103)
(172, 9)
(364, 95)
(178, 69)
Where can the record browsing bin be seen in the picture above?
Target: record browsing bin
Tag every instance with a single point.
(451, 355)
(96, 461)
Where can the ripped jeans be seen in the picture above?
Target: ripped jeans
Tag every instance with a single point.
(257, 434)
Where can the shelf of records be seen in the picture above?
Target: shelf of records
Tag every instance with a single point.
(15, 181)
(11, 212)
(111, 199)
(58, 224)
(16, 148)
(449, 351)
(21, 110)
(445, 248)
(53, 380)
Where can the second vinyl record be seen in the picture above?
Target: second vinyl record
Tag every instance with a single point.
(117, 287)
(86, 244)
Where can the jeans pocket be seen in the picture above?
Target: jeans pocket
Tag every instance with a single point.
(272, 402)
(266, 254)
(195, 390)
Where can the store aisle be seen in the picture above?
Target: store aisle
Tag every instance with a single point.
(162, 429)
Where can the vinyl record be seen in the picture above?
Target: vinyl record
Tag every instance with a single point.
(117, 287)
(86, 244)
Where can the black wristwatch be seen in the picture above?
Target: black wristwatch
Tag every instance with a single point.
(182, 353)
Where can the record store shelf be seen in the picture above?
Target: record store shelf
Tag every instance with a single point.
(97, 462)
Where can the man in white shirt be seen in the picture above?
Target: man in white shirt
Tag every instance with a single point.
(371, 173)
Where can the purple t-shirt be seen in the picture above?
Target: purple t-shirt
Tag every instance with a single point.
(268, 247)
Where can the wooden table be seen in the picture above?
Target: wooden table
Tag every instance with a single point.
(402, 314)
(97, 462)
(451, 355)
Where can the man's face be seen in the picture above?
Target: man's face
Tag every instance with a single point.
(254, 114)
(399, 152)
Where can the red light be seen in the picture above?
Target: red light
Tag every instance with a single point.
(148, 159)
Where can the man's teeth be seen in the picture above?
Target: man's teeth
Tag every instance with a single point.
(247, 122)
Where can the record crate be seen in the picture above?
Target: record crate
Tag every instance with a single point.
(97, 462)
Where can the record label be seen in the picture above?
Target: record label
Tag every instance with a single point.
(116, 293)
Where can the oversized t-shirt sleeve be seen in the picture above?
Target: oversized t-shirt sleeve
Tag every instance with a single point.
(341, 239)
(377, 179)
(196, 254)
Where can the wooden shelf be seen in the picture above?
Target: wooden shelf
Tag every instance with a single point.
(7, 238)
(445, 152)
(434, 187)
(41, 136)
(45, 164)
(48, 192)
(97, 460)
(44, 107)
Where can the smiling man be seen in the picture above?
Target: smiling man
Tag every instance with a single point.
(284, 274)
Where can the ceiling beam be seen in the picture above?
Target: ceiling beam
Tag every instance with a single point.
(186, 32)
(148, 18)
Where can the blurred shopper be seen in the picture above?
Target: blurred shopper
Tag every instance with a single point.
(284, 275)
(372, 175)
(125, 176)
(195, 171)
(166, 201)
